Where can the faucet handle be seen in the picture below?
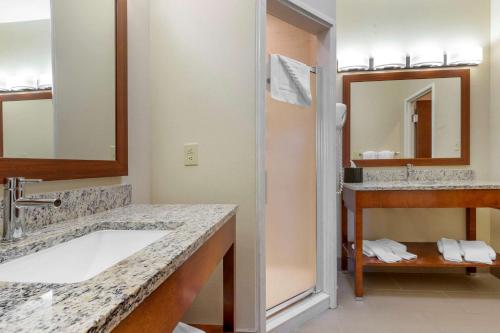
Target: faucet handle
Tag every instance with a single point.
(22, 180)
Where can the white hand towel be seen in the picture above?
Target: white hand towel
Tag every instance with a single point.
(183, 328)
(477, 251)
(393, 245)
(450, 249)
(397, 248)
(483, 245)
(290, 81)
(388, 246)
(366, 250)
(382, 252)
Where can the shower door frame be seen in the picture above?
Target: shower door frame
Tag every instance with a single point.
(326, 277)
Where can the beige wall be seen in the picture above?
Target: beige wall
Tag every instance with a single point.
(365, 25)
(495, 112)
(84, 78)
(28, 129)
(203, 90)
(291, 176)
(26, 47)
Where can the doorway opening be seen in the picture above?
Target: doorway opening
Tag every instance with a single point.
(296, 205)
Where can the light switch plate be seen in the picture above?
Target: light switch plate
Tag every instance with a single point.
(191, 154)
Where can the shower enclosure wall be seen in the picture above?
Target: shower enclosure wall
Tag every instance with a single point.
(291, 217)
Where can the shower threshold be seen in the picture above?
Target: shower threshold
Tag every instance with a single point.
(280, 307)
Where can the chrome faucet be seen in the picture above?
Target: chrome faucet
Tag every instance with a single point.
(410, 170)
(14, 201)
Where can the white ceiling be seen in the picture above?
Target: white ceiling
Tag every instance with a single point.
(24, 10)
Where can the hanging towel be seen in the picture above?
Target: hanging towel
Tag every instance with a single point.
(290, 81)
(183, 328)
(477, 251)
(450, 249)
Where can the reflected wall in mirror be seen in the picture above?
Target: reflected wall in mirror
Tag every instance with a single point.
(418, 117)
(63, 89)
(67, 48)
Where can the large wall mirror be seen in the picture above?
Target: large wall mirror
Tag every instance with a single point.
(407, 117)
(63, 88)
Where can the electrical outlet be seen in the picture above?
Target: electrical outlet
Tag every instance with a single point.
(191, 154)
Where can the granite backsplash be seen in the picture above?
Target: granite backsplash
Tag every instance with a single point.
(75, 203)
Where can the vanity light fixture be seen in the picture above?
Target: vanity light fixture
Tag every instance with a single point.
(4, 86)
(23, 82)
(428, 57)
(45, 82)
(353, 62)
(472, 55)
(389, 60)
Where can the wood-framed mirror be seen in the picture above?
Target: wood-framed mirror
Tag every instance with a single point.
(407, 117)
(63, 89)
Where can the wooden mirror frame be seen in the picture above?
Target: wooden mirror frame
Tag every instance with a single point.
(60, 169)
(463, 74)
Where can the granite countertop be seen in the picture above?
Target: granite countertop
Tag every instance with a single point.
(99, 304)
(423, 185)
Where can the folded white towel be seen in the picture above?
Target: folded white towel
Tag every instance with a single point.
(367, 251)
(393, 245)
(479, 244)
(450, 249)
(382, 252)
(290, 81)
(183, 328)
(477, 251)
(397, 248)
(386, 250)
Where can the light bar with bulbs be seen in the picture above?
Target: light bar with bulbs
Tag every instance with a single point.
(25, 82)
(423, 58)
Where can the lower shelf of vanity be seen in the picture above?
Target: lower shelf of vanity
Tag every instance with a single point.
(428, 256)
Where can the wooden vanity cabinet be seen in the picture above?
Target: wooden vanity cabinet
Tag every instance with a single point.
(166, 306)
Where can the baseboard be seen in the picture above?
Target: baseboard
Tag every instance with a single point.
(290, 319)
(496, 272)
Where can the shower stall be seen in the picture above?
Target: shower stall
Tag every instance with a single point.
(291, 208)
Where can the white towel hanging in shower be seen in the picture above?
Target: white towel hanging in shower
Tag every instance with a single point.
(290, 81)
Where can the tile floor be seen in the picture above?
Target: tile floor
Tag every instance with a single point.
(423, 303)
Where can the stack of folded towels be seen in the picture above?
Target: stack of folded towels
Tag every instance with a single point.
(387, 250)
(469, 251)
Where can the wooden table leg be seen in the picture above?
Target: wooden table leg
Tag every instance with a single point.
(471, 234)
(344, 231)
(358, 271)
(229, 294)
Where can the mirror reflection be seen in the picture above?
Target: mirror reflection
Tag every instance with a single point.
(418, 118)
(57, 79)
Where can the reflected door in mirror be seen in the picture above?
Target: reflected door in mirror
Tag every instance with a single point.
(423, 129)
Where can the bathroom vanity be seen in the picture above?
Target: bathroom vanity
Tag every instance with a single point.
(149, 291)
(407, 194)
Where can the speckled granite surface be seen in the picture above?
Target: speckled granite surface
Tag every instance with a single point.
(417, 174)
(421, 185)
(99, 304)
(75, 203)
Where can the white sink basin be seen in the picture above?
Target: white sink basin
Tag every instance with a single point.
(79, 259)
